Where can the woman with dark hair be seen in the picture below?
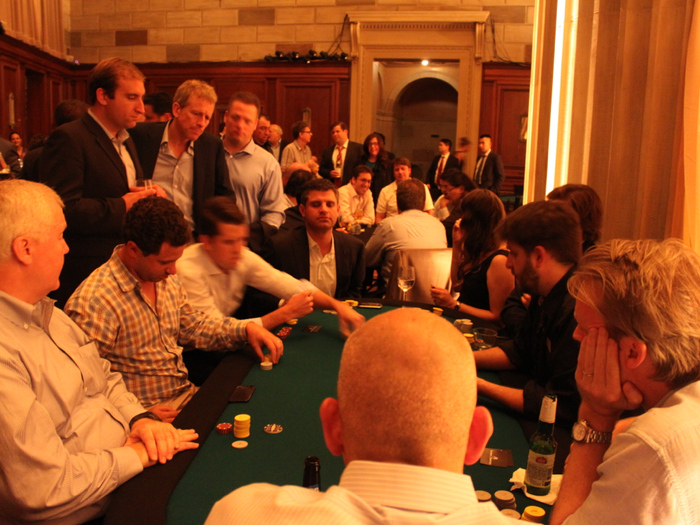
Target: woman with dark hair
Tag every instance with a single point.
(587, 204)
(16, 139)
(479, 271)
(376, 158)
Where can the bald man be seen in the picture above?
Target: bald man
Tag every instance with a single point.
(405, 432)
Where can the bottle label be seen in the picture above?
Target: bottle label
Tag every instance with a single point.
(539, 469)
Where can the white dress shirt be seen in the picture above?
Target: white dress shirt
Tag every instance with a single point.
(118, 143)
(369, 493)
(219, 294)
(64, 419)
(387, 200)
(350, 201)
(322, 267)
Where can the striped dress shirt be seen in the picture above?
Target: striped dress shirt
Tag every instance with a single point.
(144, 341)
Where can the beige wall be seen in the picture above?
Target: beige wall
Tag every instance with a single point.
(219, 30)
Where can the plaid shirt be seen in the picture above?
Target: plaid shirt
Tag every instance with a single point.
(145, 343)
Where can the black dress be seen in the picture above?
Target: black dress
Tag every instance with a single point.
(475, 290)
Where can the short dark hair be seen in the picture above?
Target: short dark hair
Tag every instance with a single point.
(245, 97)
(68, 111)
(447, 142)
(456, 178)
(400, 161)
(359, 170)
(586, 202)
(485, 136)
(265, 116)
(298, 128)
(296, 182)
(340, 123)
(106, 75)
(152, 221)
(37, 141)
(162, 102)
(410, 195)
(218, 210)
(317, 185)
(550, 224)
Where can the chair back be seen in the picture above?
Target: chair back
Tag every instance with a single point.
(432, 267)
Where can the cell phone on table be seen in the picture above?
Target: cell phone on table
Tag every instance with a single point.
(369, 305)
(242, 393)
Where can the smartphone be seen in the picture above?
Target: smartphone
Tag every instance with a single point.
(242, 393)
(370, 305)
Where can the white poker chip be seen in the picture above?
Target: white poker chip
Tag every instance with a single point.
(239, 444)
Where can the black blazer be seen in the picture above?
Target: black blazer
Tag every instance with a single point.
(451, 162)
(493, 175)
(210, 168)
(291, 255)
(268, 147)
(352, 157)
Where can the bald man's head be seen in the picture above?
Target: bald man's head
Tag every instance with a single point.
(407, 391)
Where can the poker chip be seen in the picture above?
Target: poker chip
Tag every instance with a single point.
(331, 312)
(266, 365)
(483, 496)
(273, 428)
(504, 499)
(511, 513)
(241, 426)
(534, 514)
(437, 311)
(239, 444)
(284, 332)
(224, 428)
(293, 321)
(351, 303)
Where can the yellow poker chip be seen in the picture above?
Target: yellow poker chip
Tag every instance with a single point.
(351, 303)
(293, 321)
(239, 444)
(437, 311)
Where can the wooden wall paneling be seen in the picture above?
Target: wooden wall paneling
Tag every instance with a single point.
(35, 118)
(11, 86)
(321, 97)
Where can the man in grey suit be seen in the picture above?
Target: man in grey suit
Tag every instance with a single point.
(183, 159)
(488, 172)
(92, 165)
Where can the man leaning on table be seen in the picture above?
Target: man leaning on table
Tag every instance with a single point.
(389, 386)
(70, 432)
(137, 312)
(638, 313)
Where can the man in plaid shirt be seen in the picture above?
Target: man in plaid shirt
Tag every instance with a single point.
(136, 311)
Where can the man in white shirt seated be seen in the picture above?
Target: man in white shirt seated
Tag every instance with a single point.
(70, 431)
(405, 432)
(386, 203)
(356, 203)
(216, 272)
(638, 313)
(411, 229)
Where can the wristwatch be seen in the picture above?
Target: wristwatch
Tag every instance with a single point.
(144, 415)
(582, 433)
(457, 306)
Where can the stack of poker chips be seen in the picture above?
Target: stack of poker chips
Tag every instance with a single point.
(503, 499)
(241, 426)
(533, 514)
(266, 363)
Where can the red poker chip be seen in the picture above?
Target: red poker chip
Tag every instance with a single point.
(224, 428)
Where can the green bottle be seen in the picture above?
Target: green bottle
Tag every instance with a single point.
(543, 448)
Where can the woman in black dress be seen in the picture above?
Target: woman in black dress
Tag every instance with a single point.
(377, 159)
(479, 272)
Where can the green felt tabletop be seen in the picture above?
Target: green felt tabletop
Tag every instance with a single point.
(290, 395)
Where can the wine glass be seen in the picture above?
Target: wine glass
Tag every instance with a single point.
(407, 278)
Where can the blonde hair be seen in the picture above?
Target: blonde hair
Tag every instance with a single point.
(25, 209)
(648, 290)
(196, 88)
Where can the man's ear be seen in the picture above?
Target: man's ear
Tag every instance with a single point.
(479, 434)
(632, 352)
(302, 210)
(538, 256)
(22, 249)
(176, 109)
(332, 427)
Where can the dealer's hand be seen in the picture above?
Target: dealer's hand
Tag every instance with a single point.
(259, 337)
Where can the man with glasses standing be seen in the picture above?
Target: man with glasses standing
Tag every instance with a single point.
(298, 150)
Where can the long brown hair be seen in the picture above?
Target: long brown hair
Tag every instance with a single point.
(482, 212)
(382, 156)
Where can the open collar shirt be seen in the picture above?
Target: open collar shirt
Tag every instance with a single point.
(350, 202)
(387, 200)
(64, 418)
(256, 179)
(118, 143)
(176, 175)
(369, 493)
(142, 340)
(322, 269)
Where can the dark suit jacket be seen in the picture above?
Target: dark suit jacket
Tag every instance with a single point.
(30, 169)
(493, 175)
(451, 162)
(268, 147)
(210, 168)
(292, 256)
(352, 157)
(82, 165)
(11, 157)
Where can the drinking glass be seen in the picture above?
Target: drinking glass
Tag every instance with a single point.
(407, 278)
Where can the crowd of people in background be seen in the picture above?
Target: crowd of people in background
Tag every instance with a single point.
(174, 238)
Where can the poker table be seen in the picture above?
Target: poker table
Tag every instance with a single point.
(183, 490)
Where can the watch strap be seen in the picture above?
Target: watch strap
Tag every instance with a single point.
(144, 415)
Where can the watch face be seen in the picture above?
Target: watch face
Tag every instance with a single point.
(579, 431)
